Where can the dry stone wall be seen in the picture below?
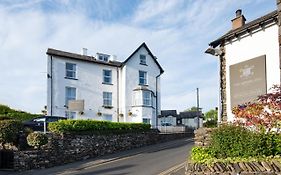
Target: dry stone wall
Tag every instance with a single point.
(67, 148)
(202, 137)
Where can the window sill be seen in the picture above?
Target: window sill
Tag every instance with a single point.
(143, 84)
(145, 106)
(70, 78)
(108, 107)
(107, 83)
(143, 64)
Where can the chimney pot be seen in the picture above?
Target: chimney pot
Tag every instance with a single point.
(84, 51)
(238, 12)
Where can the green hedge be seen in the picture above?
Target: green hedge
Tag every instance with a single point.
(93, 126)
(8, 113)
(237, 141)
(9, 130)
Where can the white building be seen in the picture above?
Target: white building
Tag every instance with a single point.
(100, 88)
(249, 60)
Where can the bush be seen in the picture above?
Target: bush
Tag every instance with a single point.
(200, 154)
(9, 131)
(237, 141)
(7, 112)
(92, 126)
(210, 124)
(37, 139)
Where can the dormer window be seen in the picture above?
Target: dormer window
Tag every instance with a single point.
(143, 59)
(103, 57)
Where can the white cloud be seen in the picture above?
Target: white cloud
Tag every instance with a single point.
(176, 31)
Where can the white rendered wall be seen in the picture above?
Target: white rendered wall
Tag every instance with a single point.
(131, 77)
(89, 88)
(264, 42)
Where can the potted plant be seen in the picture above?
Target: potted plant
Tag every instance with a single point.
(130, 113)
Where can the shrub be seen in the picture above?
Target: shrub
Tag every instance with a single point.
(237, 141)
(200, 154)
(7, 112)
(90, 126)
(37, 139)
(210, 124)
(9, 131)
(263, 113)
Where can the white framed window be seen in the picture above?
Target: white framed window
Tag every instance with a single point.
(70, 70)
(146, 120)
(70, 94)
(107, 99)
(146, 98)
(142, 77)
(143, 59)
(107, 76)
(103, 57)
(107, 117)
(70, 114)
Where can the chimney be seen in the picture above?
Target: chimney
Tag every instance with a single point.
(239, 20)
(84, 51)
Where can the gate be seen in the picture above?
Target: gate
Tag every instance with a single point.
(6, 159)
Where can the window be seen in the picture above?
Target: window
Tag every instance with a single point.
(70, 70)
(142, 78)
(70, 94)
(107, 99)
(107, 117)
(103, 57)
(143, 59)
(107, 76)
(70, 115)
(146, 120)
(146, 97)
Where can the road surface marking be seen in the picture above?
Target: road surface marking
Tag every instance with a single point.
(174, 168)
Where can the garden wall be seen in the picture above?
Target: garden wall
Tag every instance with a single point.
(67, 148)
(202, 136)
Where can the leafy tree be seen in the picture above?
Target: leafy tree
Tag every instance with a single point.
(211, 115)
(193, 108)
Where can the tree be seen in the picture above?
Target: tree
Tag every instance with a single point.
(211, 115)
(193, 108)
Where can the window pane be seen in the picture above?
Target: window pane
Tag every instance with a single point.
(107, 76)
(146, 98)
(142, 78)
(107, 98)
(70, 94)
(107, 117)
(70, 70)
(142, 59)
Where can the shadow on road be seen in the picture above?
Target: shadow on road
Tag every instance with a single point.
(112, 171)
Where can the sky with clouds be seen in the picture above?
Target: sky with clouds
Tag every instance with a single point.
(176, 31)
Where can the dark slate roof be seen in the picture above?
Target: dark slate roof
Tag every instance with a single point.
(266, 19)
(190, 114)
(165, 113)
(70, 55)
(76, 56)
(149, 52)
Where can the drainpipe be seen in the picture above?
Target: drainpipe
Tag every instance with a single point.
(156, 94)
(117, 94)
(51, 98)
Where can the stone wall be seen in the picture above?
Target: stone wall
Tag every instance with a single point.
(202, 137)
(242, 168)
(67, 148)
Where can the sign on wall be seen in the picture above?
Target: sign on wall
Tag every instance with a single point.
(76, 105)
(247, 80)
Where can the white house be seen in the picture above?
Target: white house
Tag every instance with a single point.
(168, 117)
(100, 88)
(249, 60)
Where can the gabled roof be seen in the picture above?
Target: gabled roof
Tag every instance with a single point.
(76, 56)
(190, 114)
(149, 52)
(266, 19)
(70, 55)
(165, 113)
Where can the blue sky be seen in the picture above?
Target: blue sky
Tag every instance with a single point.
(177, 32)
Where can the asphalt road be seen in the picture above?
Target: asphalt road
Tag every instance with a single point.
(160, 159)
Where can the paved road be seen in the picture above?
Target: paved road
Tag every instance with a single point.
(161, 159)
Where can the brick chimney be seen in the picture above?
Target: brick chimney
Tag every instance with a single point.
(239, 20)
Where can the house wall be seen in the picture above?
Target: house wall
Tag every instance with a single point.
(88, 86)
(168, 119)
(261, 42)
(192, 122)
(131, 81)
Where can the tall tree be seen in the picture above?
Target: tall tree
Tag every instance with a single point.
(211, 115)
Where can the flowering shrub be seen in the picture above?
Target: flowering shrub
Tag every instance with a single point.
(263, 114)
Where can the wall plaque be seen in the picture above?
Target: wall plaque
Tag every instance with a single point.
(247, 80)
